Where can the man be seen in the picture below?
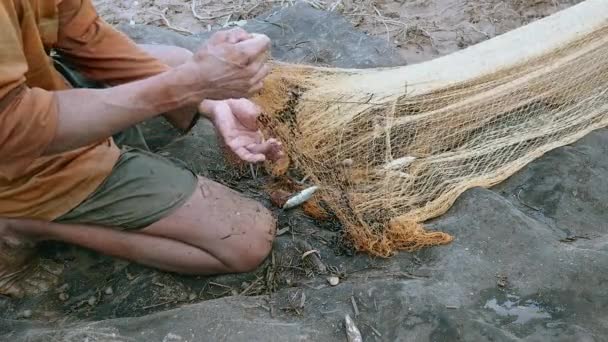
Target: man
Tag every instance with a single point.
(62, 175)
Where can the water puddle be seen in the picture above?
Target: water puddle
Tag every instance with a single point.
(523, 310)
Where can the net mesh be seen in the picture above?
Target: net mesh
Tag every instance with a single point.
(386, 162)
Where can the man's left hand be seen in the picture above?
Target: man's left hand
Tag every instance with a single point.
(236, 122)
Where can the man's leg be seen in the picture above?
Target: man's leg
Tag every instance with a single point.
(215, 231)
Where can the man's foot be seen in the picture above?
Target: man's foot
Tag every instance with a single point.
(21, 272)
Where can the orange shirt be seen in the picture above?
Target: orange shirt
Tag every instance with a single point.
(46, 187)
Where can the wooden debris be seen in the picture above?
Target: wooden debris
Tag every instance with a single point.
(282, 231)
(375, 331)
(302, 300)
(313, 257)
(355, 307)
(307, 253)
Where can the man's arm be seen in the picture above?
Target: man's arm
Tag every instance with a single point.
(111, 110)
(219, 70)
(103, 54)
(37, 122)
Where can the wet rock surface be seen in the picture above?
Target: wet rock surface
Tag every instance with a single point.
(529, 262)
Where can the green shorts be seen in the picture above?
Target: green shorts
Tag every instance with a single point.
(142, 188)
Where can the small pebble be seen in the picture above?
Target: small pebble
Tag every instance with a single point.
(92, 301)
(333, 280)
(109, 291)
(63, 296)
(26, 313)
(192, 297)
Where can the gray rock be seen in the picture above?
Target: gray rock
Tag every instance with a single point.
(299, 34)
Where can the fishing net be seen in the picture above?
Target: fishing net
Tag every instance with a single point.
(388, 155)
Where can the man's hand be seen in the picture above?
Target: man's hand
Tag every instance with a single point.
(231, 65)
(236, 122)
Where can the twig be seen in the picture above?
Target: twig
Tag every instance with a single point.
(200, 17)
(157, 304)
(282, 231)
(374, 330)
(314, 257)
(335, 5)
(251, 9)
(250, 287)
(354, 303)
(253, 172)
(303, 299)
(517, 196)
(220, 285)
(388, 35)
(479, 31)
(168, 23)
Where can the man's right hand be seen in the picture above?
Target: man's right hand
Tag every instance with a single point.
(231, 65)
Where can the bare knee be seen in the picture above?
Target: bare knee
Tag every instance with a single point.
(170, 55)
(253, 250)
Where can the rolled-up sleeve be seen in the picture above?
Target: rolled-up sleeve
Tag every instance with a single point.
(99, 51)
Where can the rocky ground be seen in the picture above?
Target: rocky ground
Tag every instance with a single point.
(530, 259)
(418, 29)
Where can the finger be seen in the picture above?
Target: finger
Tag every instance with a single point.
(260, 75)
(248, 156)
(207, 106)
(277, 150)
(271, 149)
(255, 47)
(237, 35)
(255, 89)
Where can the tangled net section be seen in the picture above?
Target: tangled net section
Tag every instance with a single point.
(388, 160)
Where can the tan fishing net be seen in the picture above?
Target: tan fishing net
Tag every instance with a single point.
(386, 160)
